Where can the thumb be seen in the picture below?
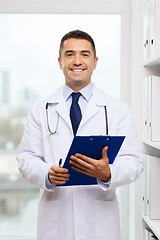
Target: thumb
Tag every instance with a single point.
(104, 153)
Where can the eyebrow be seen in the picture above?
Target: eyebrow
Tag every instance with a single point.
(71, 51)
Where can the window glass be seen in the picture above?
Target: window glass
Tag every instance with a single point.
(29, 71)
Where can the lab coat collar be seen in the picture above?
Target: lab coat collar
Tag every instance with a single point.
(97, 100)
(56, 97)
(98, 96)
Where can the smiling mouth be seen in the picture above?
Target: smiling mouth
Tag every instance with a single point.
(77, 70)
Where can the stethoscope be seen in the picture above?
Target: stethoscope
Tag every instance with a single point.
(54, 132)
(49, 129)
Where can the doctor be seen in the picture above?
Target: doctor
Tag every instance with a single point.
(78, 212)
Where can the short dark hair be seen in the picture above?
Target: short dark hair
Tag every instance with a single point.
(79, 35)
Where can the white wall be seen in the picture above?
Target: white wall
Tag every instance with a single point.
(136, 104)
(136, 68)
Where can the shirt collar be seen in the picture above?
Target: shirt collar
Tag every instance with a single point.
(86, 92)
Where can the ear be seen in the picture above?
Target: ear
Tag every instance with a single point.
(60, 63)
(95, 62)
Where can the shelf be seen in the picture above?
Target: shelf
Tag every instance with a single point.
(153, 225)
(152, 144)
(152, 62)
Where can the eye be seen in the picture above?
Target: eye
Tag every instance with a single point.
(85, 54)
(69, 54)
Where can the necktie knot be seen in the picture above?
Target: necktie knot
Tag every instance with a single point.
(75, 97)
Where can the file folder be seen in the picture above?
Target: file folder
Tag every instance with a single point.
(91, 146)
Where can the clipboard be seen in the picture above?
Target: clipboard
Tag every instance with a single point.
(91, 146)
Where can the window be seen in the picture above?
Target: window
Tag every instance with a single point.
(29, 71)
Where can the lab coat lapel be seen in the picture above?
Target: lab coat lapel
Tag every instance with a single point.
(93, 107)
(58, 101)
(91, 110)
(62, 110)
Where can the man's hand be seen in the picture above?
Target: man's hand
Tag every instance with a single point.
(92, 167)
(58, 175)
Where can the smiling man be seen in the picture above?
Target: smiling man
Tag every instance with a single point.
(77, 60)
(78, 108)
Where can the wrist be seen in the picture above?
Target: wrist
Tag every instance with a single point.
(107, 178)
(49, 179)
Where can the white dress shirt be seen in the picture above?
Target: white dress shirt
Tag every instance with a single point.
(86, 94)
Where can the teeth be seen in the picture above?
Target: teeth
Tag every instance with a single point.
(77, 70)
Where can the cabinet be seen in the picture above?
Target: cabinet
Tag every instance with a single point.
(151, 180)
(151, 29)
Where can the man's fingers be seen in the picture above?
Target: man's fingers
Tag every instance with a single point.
(104, 153)
(80, 165)
(83, 160)
(58, 169)
(80, 170)
(56, 183)
(53, 173)
(58, 175)
(57, 178)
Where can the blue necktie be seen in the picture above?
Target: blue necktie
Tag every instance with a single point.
(75, 112)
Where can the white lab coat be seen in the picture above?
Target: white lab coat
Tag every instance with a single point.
(78, 212)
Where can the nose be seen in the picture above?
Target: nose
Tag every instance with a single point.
(77, 59)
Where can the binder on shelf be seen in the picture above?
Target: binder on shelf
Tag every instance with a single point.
(151, 109)
(148, 235)
(91, 146)
(152, 236)
(152, 195)
(143, 193)
(147, 186)
(145, 104)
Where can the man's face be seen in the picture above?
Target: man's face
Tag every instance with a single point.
(77, 62)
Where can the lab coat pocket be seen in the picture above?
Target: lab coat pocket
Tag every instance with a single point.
(47, 220)
(107, 220)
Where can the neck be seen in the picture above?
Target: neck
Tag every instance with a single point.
(77, 87)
